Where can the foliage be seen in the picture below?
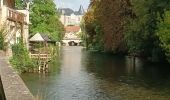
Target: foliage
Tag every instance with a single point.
(1, 40)
(164, 34)
(111, 20)
(54, 50)
(88, 27)
(105, 23)
(140, 32)
(19, 4)
(20, 59)
(128, 25)
(3, 34)
(45, 19)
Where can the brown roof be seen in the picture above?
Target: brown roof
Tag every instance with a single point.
(72, 29)
(40, 37)
(10, 3)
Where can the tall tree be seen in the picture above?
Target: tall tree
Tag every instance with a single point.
(111, 18)
(19, 4)
(141, 32)
(45, 19)
(163, 33)
(127, 23)
(93, 32)
(109, 22)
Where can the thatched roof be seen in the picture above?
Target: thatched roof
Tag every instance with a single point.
(39, 37)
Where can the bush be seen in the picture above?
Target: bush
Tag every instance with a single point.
(20, 59)
(1, 40)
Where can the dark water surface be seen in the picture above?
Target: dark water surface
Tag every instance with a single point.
(83, 75)
(2, 95)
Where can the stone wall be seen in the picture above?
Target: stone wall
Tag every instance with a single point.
(14, 87)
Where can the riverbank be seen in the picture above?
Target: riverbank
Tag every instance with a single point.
(13, 86)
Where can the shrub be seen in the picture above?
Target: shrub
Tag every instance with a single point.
(1, 40)
(20, 59)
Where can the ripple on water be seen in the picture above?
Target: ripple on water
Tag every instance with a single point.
(93, 76)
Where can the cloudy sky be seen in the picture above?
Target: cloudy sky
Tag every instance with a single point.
(74, 4)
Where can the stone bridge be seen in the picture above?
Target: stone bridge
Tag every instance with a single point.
(72, 42)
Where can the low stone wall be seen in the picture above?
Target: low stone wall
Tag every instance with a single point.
(14, 87)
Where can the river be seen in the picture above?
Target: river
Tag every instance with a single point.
(83, 75)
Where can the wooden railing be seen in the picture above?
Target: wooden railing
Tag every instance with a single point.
(15, 15)
(40, 56)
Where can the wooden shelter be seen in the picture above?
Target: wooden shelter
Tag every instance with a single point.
(39, 50)
(40, 37)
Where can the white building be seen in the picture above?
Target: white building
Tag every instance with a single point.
(70, 17)
(14, 23)
(72, 36)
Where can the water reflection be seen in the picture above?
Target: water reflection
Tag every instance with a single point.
(117, 69)
(83, 75)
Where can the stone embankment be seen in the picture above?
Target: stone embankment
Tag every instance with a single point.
(13, 86)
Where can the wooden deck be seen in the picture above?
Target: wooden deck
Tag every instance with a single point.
(42, 60)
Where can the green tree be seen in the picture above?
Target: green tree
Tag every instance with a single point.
(19, 4)
(1, 40)
(88, 26)
(105, 30)
(20, 59)
(127, 24)
(45, 19)
(140, 32)
(164, 34)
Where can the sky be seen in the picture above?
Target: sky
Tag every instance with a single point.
(73, 4)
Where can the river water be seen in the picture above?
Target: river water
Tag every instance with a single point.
(83, 75)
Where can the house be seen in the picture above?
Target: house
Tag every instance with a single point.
(70, 17)
(72, 35)
(72, 32)
(14, 23)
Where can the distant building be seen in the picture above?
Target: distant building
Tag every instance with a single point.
(72, 32)
(70, 17)
(71, 36)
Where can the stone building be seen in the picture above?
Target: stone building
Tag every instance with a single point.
(72, 36)
(14, 23)
(71, 17)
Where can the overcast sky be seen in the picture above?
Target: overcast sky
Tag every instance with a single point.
(73, 4)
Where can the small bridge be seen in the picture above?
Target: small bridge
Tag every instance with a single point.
(72, 41)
